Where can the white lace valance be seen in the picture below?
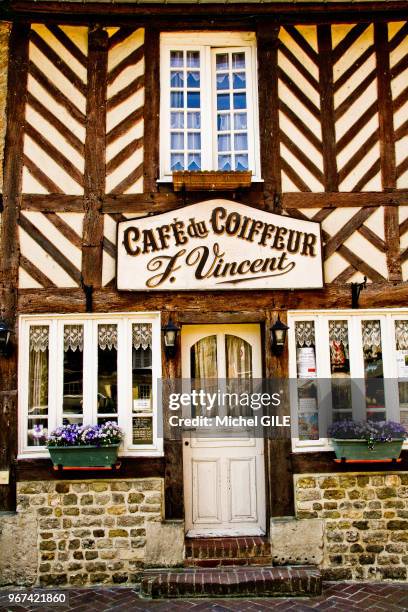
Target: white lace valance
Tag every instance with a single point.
(338, 332)
(401, 335)
(142, 335)
(39, 338)
(74, 338)
(108, 337)
(371, 332)
(305, 333)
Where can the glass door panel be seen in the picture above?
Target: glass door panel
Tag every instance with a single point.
(107, 397)
(73, 375)
(373, 369)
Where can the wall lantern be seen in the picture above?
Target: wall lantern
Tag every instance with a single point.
(278, 336)
(170, 332)
(5, 333)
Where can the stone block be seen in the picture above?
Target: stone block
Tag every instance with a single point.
(18, 549)
(164, 544)
(296, 541)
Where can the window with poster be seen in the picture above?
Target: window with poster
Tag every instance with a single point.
(89, 369)
(346, 365)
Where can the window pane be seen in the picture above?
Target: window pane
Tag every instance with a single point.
(238, 60)
(38, 385)
(107, 371)
(177, 161)
(194, 161)
(177, 120)
(194, 141)
(308, 416)
(340, 371)
(194, 120)
(240, 121)
(222, 62)
(224, 163)
(373, 370)
(240, 142)
(142, 367)
(193, 59)
(177, 140)
(401, 345)
(193, 99)
(223, 122)
(238, 357)
(240, 100)
(223, 102)
(176, 79)
(239, 80)
(72, 406)
(204, 358)
(193, 80)
(176, 59)
(222, 81)
(176, 99)
(241, 162)
(224, 142)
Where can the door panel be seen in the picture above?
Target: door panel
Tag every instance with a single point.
(224, 477)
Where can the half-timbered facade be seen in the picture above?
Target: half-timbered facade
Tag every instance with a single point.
(102, 103)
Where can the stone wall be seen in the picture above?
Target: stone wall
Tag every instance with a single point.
(365, 522)
(90, 532)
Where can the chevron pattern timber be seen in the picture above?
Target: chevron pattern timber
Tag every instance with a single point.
(348, 234)
(398, 47)
(55, 110)
(356, 111)
(125, 99)
(299, 109)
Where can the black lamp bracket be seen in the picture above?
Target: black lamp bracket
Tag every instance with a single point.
(356, 289)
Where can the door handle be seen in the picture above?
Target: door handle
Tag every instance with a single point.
(186, 443)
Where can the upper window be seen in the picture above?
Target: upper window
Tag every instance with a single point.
(88, 370)
(209, 115)
(348, 366)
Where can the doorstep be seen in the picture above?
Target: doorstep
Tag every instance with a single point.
(296, 581)
(216, 552)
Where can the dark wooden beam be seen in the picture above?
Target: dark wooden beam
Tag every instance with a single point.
(387, 148)
(267, 40)
(10, 252)
(95, 157)
(376, 295)
(151, 135)
(334, 200)
(324, 39)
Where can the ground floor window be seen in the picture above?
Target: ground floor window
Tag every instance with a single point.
(348, 365)
(89, 369)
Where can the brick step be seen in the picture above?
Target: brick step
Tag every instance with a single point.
(252, 550)
(227, 561)
(296, 581)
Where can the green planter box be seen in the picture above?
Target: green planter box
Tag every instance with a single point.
(359, 449)
(84, 456)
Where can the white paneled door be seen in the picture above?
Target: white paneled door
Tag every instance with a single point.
(224, 473)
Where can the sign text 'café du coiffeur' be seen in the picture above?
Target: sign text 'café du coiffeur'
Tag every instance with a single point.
(218, 245)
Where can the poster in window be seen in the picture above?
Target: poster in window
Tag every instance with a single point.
(402, 363)
(306, 362)
(142, 431)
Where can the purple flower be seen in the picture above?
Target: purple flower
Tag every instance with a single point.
(372, 431)
(85, 435)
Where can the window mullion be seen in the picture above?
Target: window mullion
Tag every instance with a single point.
(89, 375)
(124, 378)
(207, 111)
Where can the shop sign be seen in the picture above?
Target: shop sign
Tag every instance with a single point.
(215, 245)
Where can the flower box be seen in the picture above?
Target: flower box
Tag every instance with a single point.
(84, 456)
(211, 180)
(361, 450)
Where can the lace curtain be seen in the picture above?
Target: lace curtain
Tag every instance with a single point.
(239, 357)
(142, 335)
(401, 335)
(108, 337)
(38, 370)
(74, 338)
(371, 334)
(305, 333)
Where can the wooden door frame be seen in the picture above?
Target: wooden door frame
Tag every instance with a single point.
(279, 481)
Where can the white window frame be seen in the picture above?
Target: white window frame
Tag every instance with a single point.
(354, 318)
(56, 323)
(207, 43)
